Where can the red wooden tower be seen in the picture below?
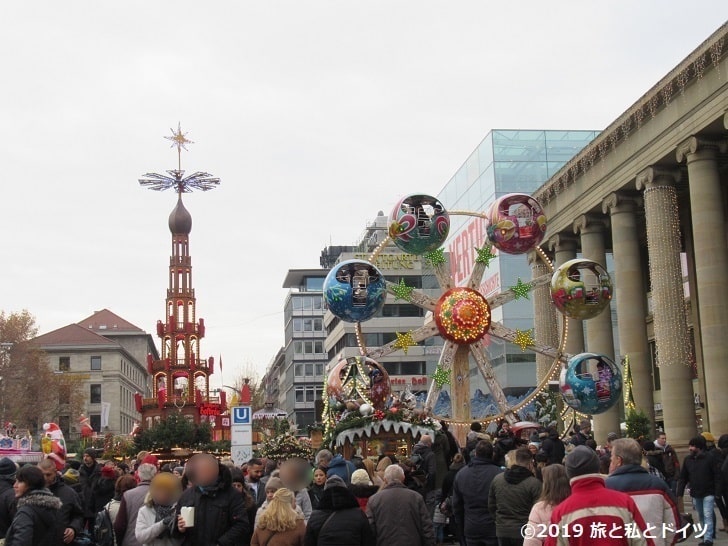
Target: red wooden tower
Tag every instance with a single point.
(181, 378)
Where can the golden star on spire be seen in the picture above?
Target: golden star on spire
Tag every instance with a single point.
(180, 140)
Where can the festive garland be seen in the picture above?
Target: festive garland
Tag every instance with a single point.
(355, 420)
(286, 446)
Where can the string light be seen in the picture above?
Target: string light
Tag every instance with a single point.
(521, 289)
(485, 255)
(401, 291)
(462, 315)
(404, 341)
(628, 394)
(524, 339)
(441, 377)
(436, 257)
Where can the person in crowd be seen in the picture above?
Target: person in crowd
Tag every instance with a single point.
(157, 517)
(592, 505)
(382, 465)
(220, 516)
(316, 489)
(472, 440)
(131, 502)
(470, 497)
(362, 487)
(398, 515)
(89, 475)
(723, 446)
(605, 453)
(511, 496)
(239, 484)
(296, 476)
(339, 521)
(72, 478)
(254, 480)
(701, 473)
(104, 489)
(71, 511)
(653, 496)
(371, 469)
(553, 447)
(280, 524)
(554, 490)
(582, 433)
(670, 461)
(447, 490)
(124, 483)
(655, 462)
(37, 521)
(323, 458)
(338, 466)
(178, 471)
(454, 446)
(424, 461)
(441, 451)
(8, 470)
(712, 451)
(272, 485)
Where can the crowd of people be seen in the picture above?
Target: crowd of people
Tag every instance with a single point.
(503, 490)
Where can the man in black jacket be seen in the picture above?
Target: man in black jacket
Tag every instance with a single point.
(470, 497)
(220, 516)
(89, 475)
(553, 447)
(701, 472)
(339, 519)
(71, 511)
(7, 494)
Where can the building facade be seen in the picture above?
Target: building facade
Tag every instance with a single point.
(108, 355)
(506, 161)
(301, 367)
(651, 191)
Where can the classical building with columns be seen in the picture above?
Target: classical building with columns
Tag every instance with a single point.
(651, 191)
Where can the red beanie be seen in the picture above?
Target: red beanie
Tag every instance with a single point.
(108, 472)
(151, 459)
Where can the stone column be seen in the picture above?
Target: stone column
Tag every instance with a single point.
(546, 330)
(564, 247)
(630, 295)
(711, 266)
(599, 335)
(668, 302)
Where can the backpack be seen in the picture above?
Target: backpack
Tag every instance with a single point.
(104, 529)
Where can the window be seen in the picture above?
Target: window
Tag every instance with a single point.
(64, 363)
(314, 284)
(310, 394)
(309, 369)
(307, 304)
(64, 394)
(96, 363)
(64, 423)
(95, 394)
(298, 370)
(95, 420)
(297, 304)
(318, 325)
(319, 368)
(299, 394)
(298, 347)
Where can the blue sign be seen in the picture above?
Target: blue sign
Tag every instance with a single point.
(241, 415)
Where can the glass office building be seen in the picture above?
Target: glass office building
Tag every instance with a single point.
(506, 161)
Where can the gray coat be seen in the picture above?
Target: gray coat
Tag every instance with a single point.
(399, 516)
(125, 523)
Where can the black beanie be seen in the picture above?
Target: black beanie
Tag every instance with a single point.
(583, 460)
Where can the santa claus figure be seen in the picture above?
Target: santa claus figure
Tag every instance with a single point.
(86, 430)
(53, 445)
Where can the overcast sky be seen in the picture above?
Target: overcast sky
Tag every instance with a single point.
(315, 115)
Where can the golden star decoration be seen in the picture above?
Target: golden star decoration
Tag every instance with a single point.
(521, 289)
(485, 255)
(179, 139)
(441, 377)
(404, 341)
(524, 339)
(436, 257)
(401, 291)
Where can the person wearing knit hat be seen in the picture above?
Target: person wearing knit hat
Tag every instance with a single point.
(71, 476)
(339, 518)
(157, 517)
(89, 475)
(702, 474)
(362, 487)
(592, 504)
(8, 469)
(271, 486)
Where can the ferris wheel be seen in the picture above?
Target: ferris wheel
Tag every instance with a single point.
(355, 290)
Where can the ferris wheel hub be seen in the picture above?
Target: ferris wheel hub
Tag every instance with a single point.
(462, 315)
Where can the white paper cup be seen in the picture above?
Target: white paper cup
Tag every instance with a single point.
(188, 515)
